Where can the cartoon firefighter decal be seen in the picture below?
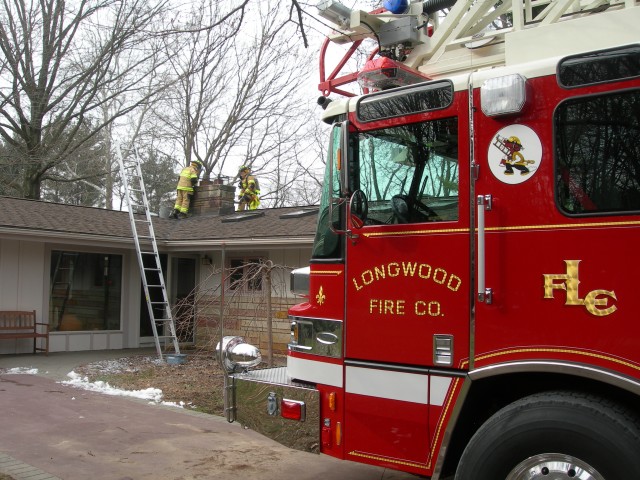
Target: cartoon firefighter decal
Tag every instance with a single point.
(507, 152)
(511, 147)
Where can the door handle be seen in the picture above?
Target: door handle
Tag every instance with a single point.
(483, 203)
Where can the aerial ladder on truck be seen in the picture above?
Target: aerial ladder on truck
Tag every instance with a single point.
(424, 43)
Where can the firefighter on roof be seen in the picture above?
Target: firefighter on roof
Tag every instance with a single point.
(249, 190)
(188, 179)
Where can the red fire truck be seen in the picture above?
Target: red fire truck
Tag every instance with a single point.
(470, 298)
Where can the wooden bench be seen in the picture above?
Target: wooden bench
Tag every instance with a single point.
(22, 324)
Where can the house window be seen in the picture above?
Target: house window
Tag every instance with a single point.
(245, 274)
(85, 291)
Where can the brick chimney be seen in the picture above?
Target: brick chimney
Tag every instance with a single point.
(213, 197)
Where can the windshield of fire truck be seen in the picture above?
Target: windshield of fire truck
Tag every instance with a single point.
(409, 173)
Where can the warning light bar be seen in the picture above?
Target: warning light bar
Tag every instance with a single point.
(382, 73)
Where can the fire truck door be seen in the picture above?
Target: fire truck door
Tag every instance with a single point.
(407, 283)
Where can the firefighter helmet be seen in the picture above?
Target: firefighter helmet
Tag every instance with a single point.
(243, 168)
(197, 163)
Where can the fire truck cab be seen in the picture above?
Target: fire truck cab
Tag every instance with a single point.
(469, 304)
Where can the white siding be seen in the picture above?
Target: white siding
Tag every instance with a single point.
(21, 285)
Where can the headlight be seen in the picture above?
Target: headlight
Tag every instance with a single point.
(236, 355)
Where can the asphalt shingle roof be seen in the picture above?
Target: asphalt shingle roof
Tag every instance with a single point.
(20, 215)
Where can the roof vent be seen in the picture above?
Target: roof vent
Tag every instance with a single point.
(241, 216)
(301, 213)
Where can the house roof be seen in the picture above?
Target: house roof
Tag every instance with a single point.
(293, 226)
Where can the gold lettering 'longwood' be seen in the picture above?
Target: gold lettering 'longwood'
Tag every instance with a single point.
(417, 270)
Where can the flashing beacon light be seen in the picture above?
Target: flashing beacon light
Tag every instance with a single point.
(396, 7)
(382, 73)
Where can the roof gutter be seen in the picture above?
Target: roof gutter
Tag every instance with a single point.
(195, 244)
(291, 242)
(28, 233)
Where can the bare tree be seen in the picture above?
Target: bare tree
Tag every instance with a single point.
(78, 180)
(62, 62)
(296, 170)
(236, 99)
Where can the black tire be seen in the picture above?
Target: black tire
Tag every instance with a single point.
(556, 434)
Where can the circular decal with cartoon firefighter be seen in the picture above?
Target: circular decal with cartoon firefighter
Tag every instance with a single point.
(514, 154)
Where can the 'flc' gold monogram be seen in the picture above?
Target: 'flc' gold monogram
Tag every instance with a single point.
(596, 302)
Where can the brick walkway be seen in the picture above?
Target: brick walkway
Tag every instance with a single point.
(21, 471)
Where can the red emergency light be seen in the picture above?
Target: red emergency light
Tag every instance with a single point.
(382, 73)
(293, 409)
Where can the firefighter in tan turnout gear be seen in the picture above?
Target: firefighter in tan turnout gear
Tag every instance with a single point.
(188, 179)
(249, 190)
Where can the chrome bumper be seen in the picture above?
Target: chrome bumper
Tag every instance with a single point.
(255, 399)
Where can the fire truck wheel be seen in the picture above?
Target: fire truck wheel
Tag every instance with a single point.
(557, 435)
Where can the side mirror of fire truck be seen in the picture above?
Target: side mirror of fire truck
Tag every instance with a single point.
(358, 209)
(336, 166)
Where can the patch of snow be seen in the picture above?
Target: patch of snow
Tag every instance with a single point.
(77, 381)
(122, 365)
(174, 404)
(22, 371)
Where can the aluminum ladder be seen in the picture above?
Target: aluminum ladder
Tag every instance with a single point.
(162, 324)
(62, 285)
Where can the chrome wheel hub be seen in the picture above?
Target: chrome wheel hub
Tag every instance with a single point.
(553, 466)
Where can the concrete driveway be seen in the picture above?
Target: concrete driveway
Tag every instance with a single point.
(50, 430)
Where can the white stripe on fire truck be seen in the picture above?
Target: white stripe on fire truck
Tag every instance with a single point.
(315, 372)
(438, 391)
(403, 386)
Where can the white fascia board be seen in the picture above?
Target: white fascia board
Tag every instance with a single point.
(55, 236)
(77, 238)
(243, 243)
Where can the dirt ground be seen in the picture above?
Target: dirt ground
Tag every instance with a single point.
(196, 384)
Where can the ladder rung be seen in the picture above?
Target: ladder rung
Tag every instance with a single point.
(149, 269)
